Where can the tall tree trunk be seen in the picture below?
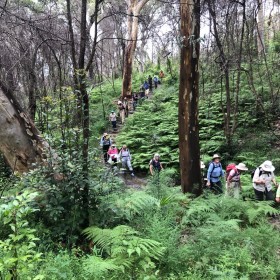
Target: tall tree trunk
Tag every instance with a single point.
(188, 97)
(134, 10)
(260, 28)
(20, 141)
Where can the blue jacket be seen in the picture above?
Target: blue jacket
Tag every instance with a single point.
(215, 171)
(146, 86)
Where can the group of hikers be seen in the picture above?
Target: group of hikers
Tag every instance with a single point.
(113, 156)
(147, 87)
(123, 103)
(262, 178)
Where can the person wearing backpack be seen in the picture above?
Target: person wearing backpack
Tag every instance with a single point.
(155, 81)
(121, 111)
(155, 164)
(233, 172)
(146, 87)
(214, 174)
(113, 154)
(126, 159)
(262, 181)
(113, 120)
(150, 80)
(105, 143)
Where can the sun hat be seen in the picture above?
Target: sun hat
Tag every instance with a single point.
(241, 166)
(112, 111)
(202, 165)
(119, 102)
(216, 156)
(105, 134)
(267, 166)
(156, 155)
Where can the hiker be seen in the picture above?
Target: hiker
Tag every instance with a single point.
(105, 143)
(125, 104)
(135, 98)
(146, 87)
(161, 75)
(150, 80)
(155, 164)
(126, 159)
(121, 111)
(113, 120)
(262, 181)
(113, 154)
(155, 81)
(233, 172)
(214, 174)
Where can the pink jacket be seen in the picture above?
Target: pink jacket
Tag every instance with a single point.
(113, 152)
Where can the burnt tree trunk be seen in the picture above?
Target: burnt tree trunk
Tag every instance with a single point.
(20, 141)
(188, 97)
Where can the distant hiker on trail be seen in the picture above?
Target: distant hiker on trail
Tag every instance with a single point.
(113, 120)
(125, 104)
(105, 143)
(161, 75)
(146, 87)
(126, 159)
(113, 154)
(155, 81)
(135, 99)
(214, 174)
(262, 181)
(203, 176)
(233, 172)
(121, 111)
(155, 164)
(150, 80)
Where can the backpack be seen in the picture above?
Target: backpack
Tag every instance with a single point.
(260, 172)
(206, 171)
(230, 167)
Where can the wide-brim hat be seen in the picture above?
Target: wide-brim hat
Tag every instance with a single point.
(105, 134)
(216, 156)
(202, 165)
(267, 166)
(241, 166)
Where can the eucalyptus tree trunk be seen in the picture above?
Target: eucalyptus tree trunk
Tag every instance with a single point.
(260, 28)
(188, 97)
(135, 7)
(20, 141)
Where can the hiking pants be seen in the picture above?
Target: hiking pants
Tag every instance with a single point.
(105, 149)
(233, 189)
(267, 194)
(114, 124)
(126, 163)
(216, 187)
(147, 93)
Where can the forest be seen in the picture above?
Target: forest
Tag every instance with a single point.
(139, 139)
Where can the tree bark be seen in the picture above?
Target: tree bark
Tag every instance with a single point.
(20, 141)
(188, 97)
(260, 28)
(134, 10)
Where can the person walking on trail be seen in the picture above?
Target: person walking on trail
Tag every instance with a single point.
(105, 143)
(233, 186)
(113, 154)
(150, 80)
(113, 120)
(262, 181)
(155, 164)
(161, 75)
(278, 194)
(214, 174)
(126, 159)
(121, 111)
(155, 81)
(125, 104)
(146, 87)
